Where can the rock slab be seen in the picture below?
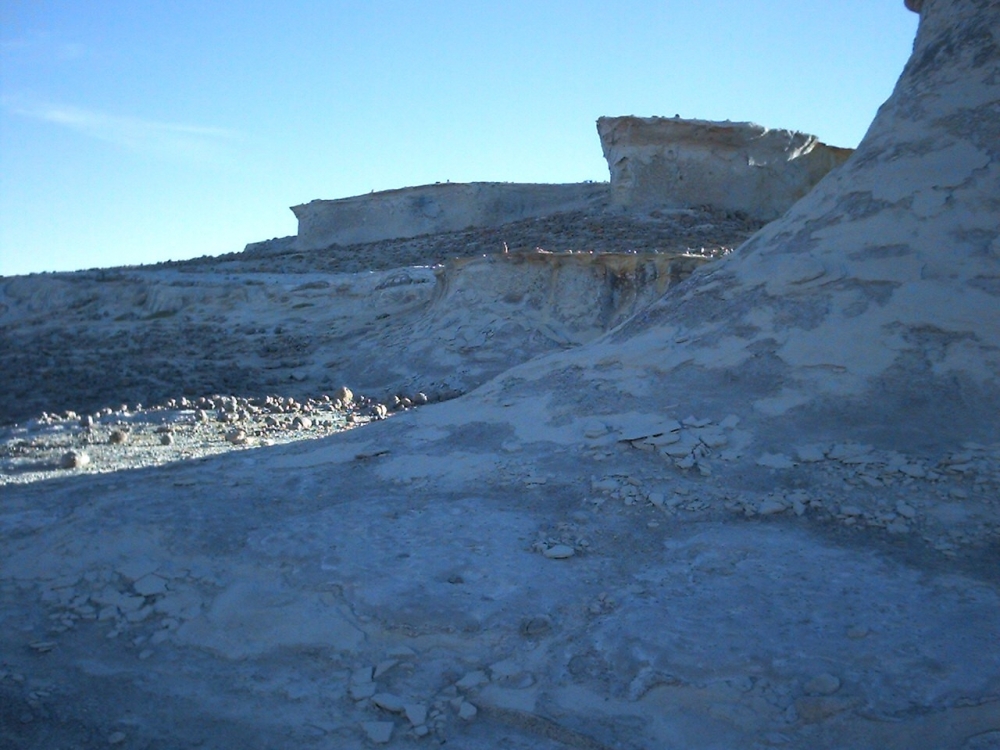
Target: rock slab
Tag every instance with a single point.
(658, 162)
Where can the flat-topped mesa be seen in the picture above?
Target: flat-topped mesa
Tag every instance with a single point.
(443, 207)
(661, 162)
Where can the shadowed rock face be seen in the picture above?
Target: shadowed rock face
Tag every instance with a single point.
(736, 166)
(873, 303)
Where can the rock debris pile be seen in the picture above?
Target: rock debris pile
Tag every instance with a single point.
(180, 429)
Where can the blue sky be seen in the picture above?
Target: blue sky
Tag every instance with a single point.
(138, 131)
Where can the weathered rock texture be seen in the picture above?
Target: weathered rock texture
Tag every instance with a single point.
(873, 305)
(737, 166)
(440, 330)
(748, 517)
(426, 209)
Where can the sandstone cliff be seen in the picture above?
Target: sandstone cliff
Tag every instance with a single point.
(737, 166)
(427, 209)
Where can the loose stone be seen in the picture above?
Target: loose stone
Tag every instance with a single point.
(389, 702)
(416, 713)
(472, 680)
(559, 552)
(74, 460)
(236, 437)
(467, 711)
(770, 507)
(823, 684)
(379, 732)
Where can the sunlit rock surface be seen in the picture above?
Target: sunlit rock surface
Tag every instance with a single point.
(443, 207)
(874, 303)
(738, 166)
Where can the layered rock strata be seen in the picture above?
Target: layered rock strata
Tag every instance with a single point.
(736, 166)
(447, 207)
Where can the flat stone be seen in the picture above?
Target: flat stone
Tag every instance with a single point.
(379, 732)
(416, 713)
(389, 702)
(771, 506)
(679, 448)
(472, 680)
(667, 438)
(810, 454)
(559, 552)
(150, 585)
(775, 461)
(823, 684)
(713, 437)
(466, 711)
(913, 470)
(384, 666)
(360, 691)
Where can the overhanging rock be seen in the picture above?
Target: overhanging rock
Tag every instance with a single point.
(659, 162)
(445, 207)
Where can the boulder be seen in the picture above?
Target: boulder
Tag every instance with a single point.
(660, 162)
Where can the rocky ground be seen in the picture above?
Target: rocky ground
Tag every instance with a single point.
(340, 571)
(92, 340)
(615, 498)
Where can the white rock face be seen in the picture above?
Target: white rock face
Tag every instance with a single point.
(739, 166)
(447, 207)
(876, 298)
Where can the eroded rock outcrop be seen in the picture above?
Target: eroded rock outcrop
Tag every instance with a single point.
(447, 207)
(737, 166)
(872, 308)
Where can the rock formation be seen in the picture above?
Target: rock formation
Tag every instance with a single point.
(760, 513)
(427, 209)
(737, 166)
(654, 163)
(873, 305)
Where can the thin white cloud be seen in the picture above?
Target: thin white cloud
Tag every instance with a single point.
(163, 139)
(41, 45)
